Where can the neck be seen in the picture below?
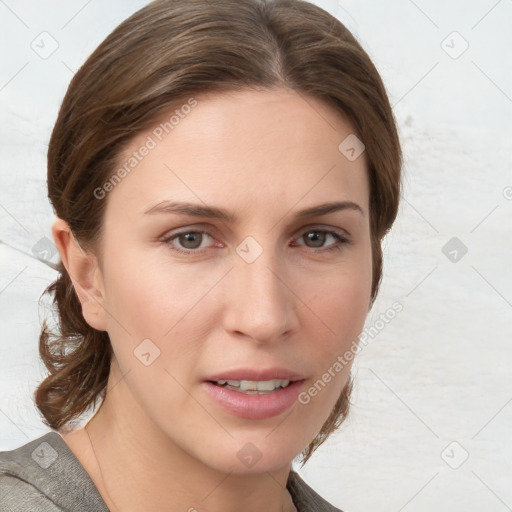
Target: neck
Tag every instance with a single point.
(135, 466)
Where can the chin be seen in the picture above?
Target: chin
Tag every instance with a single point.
(251, 454)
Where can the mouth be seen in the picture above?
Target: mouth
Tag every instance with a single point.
(253, 387)
(254, 394)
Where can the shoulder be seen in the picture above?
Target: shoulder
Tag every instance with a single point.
(16, 495)
(305, 498)
(44, 475)
(22, 477)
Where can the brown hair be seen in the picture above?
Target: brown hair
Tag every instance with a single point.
(167, 52)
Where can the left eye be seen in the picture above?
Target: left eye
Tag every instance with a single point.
(318, 238)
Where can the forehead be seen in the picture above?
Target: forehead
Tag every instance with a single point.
(244, 147)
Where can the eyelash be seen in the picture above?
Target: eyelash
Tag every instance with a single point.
(339, 241)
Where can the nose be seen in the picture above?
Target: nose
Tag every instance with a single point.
(259, 303)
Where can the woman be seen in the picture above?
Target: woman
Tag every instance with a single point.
(223, 174)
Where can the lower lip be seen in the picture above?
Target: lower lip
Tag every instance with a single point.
(254, 407)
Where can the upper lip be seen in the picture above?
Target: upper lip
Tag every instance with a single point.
(256, 374)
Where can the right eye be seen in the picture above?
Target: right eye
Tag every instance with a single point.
(187, 241)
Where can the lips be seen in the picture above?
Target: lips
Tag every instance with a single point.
(254, 393)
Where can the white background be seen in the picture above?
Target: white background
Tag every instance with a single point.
(439, 373)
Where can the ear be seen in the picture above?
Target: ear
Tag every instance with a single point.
(85, 274)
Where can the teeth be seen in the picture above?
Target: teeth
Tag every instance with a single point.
(252, 385)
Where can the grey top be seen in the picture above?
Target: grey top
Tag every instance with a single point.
(45, 476)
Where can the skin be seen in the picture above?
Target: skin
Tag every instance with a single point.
(262, 155)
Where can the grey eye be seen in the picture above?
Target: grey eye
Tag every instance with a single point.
(191, 240)
(314, 238)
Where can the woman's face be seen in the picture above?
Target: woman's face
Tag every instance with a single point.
(237, 249)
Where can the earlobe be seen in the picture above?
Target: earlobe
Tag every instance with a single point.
(85, 273)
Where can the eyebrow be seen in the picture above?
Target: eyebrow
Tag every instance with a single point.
(213, 212)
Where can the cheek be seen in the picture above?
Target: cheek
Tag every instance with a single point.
(153, 298)
(134, 294)
(331, 343)
(346, 302)
(151, 323)
(341, 300)
(338, 307)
